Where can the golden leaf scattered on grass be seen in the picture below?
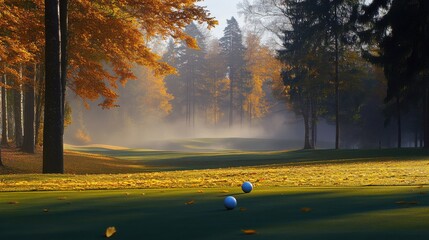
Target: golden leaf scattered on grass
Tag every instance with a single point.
(225, 191)
(110, 231)
(127, 194)
(306, 209)
(190, 202)
(249, 231)
(242, 209)
(13, 202)
(200, 191)
(62, 198)
(407, 202)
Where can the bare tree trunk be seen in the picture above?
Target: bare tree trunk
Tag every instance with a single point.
(28, 144)
(1, 163)
(4, 135)
(240, 92)
(337, 84)
(313, 124)
(64, 52)
(231, 97)
(10, 105)
(398, 108)
(306, 115)
(426, 118)
(39, 103)
(193, 102)
(53, 152)
(17, 98)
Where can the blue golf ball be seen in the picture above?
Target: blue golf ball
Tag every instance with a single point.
(230, 202)
(247, 187)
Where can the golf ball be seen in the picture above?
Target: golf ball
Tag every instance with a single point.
(247, 187)
(230, 202)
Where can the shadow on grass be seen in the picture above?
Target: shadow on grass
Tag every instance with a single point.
(168, 161)
(354, 213)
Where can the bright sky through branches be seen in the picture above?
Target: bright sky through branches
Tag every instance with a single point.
(222, 10)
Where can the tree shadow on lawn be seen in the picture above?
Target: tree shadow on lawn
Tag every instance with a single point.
(348, 214)
(245, 159)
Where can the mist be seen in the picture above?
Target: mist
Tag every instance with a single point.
(93, 125)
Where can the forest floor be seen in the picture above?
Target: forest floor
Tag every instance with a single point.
(321, 194)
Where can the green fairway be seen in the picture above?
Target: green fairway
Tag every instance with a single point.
(323, 194)
(275, 213)
(154, 160)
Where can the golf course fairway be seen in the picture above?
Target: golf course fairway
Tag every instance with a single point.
(198, 213)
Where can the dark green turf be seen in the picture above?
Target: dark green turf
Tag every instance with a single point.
(337, 213)
(177, 160)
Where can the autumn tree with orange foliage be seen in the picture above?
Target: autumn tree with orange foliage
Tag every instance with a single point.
(263, 66)
(102, 35)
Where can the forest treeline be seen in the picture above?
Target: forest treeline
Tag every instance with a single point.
(361, 66)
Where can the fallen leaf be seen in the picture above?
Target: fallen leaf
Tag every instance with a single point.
(249, 231)
(200, 191)
(62, 198)
(225, 191)
(190, 202)
(306, 209)
(13, 202)
(110, 231)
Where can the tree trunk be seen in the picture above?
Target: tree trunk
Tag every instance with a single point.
(28, 144)
(306, 115)
(307, 144)
(337, 84)
(193, 103)
(1, 163)
(39, 103)
(17, 98)
(416, 136)
(426, 118)
(313, 125)
(53, 152)
(10, 102)
(231, 97)
(398, 108)
(240, 92)
(17, 95)
(4, 135)
(64, 53)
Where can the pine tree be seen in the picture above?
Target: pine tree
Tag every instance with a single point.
(233, 51)
(401, 30)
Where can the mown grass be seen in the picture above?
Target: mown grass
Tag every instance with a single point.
(160, 169)
(274, 213)
(146, 194)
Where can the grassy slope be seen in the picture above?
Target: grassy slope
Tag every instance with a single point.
(275, 213)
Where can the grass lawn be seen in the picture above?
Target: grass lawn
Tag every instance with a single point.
(148, 194)
(274, 213)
